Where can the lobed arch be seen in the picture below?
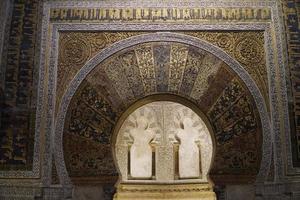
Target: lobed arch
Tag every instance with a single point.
(160, 37)
(161, 98)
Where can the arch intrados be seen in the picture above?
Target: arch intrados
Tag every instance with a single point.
(155, 98)
(160, 37)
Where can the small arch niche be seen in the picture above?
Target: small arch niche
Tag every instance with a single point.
(163, 142)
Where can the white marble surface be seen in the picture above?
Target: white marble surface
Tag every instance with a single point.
(140, 151)
(189, 157)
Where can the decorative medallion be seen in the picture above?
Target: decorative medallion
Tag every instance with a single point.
(74, 51)
(248, 50)
(225, 40)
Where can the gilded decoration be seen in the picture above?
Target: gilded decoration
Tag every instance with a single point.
(144, 56)
(90, 132)
(243, 46)
(170, 191)
(249, 51)
(234, 121)
(76, 48)
(203, 79)
(131, 67)
(159, 14)
(90, 123)
(247, 47)
(177, 63)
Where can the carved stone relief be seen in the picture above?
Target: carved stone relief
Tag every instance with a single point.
(141, 151)
(76, 48)
(245, 47)
(86, 44)
(182, 143)
(264, 11)
(201, 78)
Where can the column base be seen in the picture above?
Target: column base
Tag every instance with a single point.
(165, 191)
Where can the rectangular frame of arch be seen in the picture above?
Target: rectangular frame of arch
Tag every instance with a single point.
(48, 62)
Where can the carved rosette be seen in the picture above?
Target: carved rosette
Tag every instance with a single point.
(225, 40)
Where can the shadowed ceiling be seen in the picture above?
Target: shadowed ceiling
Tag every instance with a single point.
(163, 68)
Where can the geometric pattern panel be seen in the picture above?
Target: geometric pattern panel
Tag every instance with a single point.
(160, 68)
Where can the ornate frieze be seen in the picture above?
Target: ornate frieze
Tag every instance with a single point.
(200, 14)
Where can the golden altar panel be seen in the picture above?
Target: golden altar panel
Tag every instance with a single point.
(166, 192)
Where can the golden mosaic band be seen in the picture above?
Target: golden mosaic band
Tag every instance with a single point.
(160, 14)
